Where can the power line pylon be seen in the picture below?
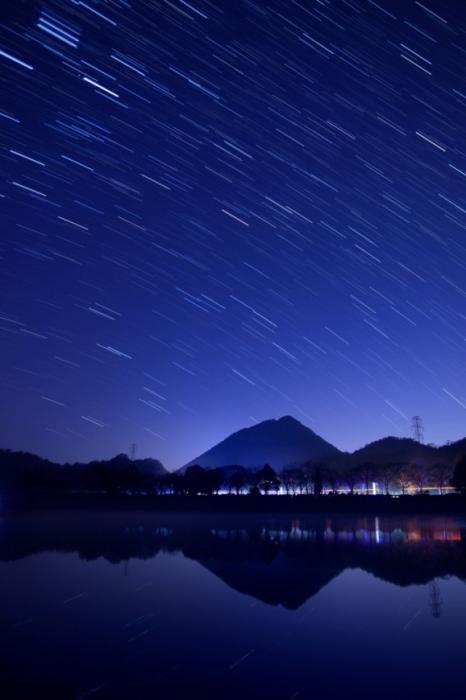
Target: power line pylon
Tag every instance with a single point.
(417, 427)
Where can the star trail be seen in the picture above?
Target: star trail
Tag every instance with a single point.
(219, 212)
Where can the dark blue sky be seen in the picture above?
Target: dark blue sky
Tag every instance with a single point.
(219, 212)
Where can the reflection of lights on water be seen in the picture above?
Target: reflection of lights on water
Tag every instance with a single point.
(447, 535)
(398, 535)
(366, 532)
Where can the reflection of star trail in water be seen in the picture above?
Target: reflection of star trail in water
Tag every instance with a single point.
(213, 213)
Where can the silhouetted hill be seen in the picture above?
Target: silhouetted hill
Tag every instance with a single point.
(393, 450)
(28, 471)
(275, 442)
(452, 452)
(286, 440)
(147, 466)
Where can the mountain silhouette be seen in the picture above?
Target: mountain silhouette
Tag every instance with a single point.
(20, 469)
(394, 450)
(278, 442)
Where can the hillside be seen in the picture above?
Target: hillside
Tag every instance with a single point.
(393, 450)
(19, 468)
(277, 442)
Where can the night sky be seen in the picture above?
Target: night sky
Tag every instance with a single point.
(215, 213)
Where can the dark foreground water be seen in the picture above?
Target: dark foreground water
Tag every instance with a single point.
(140, 605)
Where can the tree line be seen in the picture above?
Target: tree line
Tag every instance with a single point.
(24, 472)
(316, 479)
(29, 473)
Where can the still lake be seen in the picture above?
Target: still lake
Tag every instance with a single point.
(167, 606)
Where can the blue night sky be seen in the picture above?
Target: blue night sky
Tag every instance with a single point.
(219, 212)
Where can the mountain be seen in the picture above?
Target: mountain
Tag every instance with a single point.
(388, 450)
(21, 468)
(277, 442)
(147, 466)
(393, 450)
(150, 467)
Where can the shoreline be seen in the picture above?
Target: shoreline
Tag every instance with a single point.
(452, 504)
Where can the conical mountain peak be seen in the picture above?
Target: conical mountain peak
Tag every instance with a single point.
(277, 442)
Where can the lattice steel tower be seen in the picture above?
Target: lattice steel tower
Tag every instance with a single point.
(417, 427)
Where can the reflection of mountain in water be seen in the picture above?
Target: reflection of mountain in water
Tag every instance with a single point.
(277, 560)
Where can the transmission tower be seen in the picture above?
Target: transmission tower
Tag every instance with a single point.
(417, 427)
(133, 451)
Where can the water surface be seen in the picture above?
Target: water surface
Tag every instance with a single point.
(169, 606)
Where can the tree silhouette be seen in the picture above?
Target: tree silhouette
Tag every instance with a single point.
(459, 476)
(441, 476)
(404, 478)
(332, 479)
(367, 471)
(387, 475)
(288, 479)
(268, 480)
(419, 476)
(198, 480)
(351, 478)
(237, 481)
(318, 481)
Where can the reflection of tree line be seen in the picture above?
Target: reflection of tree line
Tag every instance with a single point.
(284, 563)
